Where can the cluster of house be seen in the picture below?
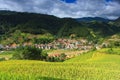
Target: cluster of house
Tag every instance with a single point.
(7, 47)
(81, 44)
(67, 44)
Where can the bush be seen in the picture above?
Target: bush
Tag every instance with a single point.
(113, 51)
(110, 51)
(60, 58)
(30, 53)
(2, 59)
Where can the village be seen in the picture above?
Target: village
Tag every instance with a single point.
(81, 44)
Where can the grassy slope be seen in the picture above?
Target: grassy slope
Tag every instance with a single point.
(95, 65)
(98, 56)
(6, 54)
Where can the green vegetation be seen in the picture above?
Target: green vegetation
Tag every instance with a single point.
(94, 65)
(43, 39)
(33, 53)
(60, 58)
(83, 57)
(7, 54)
(23, 29)
(102, 55)
(21, 38)
(113, 51)
(30, 24)
(30, 53)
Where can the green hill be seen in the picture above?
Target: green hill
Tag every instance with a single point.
(117, 22)
(63, 27)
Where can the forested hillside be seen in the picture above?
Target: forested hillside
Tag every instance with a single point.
(61, 27)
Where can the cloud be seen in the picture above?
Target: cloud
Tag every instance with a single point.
(80, 8)
(117, 0)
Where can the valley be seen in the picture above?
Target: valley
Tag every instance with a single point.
(44, 47)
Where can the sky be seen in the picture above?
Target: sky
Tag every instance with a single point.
(66, 8)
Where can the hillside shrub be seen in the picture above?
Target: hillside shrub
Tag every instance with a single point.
(2, 59)
(30, 53)
(33, 53)
(113, 51)
(110, 51)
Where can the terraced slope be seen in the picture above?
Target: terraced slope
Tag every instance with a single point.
(95, 65)
(102, 55)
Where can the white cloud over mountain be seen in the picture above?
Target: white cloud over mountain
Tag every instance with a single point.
(81, 8)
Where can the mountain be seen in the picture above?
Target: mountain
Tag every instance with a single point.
(117, 22)
(34, 23)
(7, 12)
(118, 19)
(28, 22)
(89, 19)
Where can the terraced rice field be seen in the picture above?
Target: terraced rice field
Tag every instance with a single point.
(95, 65)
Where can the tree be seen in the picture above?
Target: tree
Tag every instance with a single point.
(30, 53)
(62, 56)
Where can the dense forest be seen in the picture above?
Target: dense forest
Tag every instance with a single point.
(34, 23)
